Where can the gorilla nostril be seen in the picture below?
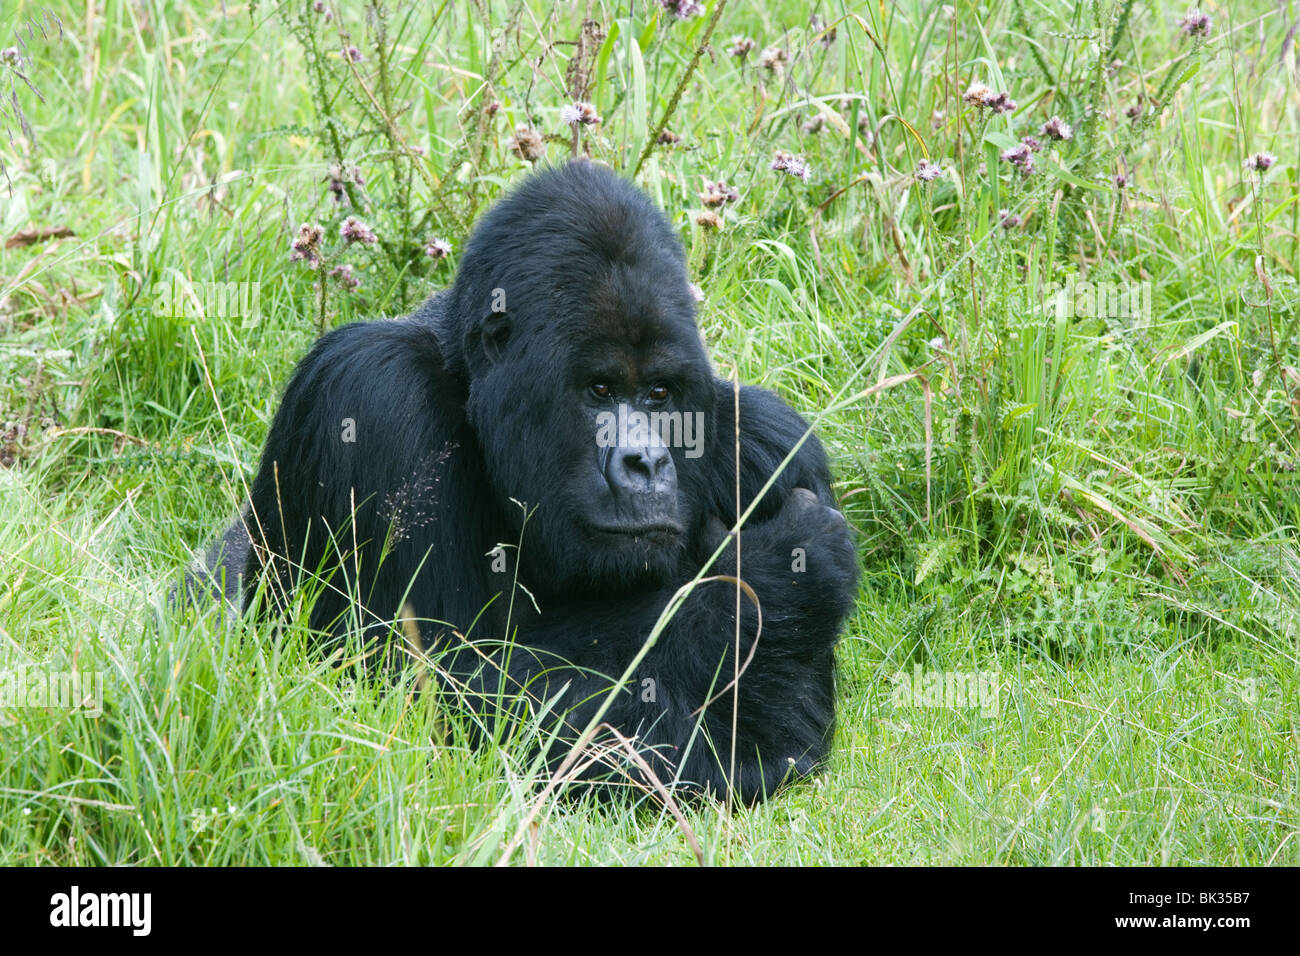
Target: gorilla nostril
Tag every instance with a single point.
(652, 462)
(639, 469)
(639, 463)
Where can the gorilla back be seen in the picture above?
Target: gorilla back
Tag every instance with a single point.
(528, 468)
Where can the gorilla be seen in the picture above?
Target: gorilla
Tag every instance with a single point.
(521, 476)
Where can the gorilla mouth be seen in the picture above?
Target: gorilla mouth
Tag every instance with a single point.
(655, 529)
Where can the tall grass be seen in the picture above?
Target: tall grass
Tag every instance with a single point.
(1102, 508)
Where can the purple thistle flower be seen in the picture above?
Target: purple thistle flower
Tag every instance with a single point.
(1057, 129)
(1195, 24)
(438, 249)
(927, 171)
(977, 95)
(527, 144)
(1033, 144)
(1260, 162)
(306, 245)
(740, 46)
(1017, 155)
(772, 57)
(344, 276)
(682, 9)
(1008, 219)
(718, 194)
(708, 219)
(1001, 103)
(575, 113)
(1021, 157)
(791, 165)
(981, 97)
(354, 230)
(320, 7)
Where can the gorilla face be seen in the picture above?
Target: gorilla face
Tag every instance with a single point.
(644, 412)
(595, 366)
(619, 432)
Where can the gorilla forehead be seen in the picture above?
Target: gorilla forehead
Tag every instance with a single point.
(632, 314)
(579, 247)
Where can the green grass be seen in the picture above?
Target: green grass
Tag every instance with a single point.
(1101, 510)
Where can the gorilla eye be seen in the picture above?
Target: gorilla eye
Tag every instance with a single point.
(601, 390)
(658, 393)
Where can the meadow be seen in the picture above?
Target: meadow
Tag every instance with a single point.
(1029, 265)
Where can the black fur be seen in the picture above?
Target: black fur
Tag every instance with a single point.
(458, 409)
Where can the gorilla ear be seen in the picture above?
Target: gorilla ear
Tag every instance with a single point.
(493, 334)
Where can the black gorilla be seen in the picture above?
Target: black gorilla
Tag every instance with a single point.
(482, 470)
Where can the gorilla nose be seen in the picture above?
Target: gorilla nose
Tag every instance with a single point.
(640, 470)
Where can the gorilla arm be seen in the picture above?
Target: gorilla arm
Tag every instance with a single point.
(368, 481)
